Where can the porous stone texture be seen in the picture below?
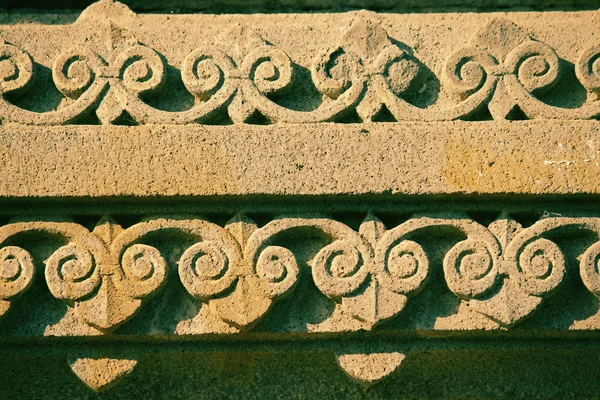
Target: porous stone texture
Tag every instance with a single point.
(402, 160)
(307, 205)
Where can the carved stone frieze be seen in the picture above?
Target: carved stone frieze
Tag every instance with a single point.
(369, 185)
(503, 271)
(501, 68)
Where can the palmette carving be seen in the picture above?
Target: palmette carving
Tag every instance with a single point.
(237, 272)
(530, 268)
(502, 69)
(238, 287)
(104, 282)
(366, 63)
(504, 74)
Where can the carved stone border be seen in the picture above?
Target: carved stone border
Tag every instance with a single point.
(503, 271)
(241, 72)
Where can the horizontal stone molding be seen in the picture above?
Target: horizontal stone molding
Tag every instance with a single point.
(502, 271)
(383, 162)
(500, 71)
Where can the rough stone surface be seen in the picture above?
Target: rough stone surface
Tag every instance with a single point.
(305, 205)
(526, 158)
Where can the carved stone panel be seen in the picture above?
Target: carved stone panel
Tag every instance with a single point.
(364, 204)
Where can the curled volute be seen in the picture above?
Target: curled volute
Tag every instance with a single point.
(76, 69)
(16, 68)
(72, 272)
(207, 269)
(471, 268)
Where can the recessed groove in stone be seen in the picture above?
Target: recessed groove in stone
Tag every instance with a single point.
(492, 276)
(253, 6)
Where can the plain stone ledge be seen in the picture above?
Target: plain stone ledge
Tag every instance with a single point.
(533, 158)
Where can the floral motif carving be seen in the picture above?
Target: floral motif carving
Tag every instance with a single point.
(502, 69)
(368, 63)
(235, 272)
(104, 277)
(503, 271)
(503, 73)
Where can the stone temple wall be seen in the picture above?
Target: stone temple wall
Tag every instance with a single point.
(300, 200)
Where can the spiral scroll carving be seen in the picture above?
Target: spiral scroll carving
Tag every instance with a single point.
(75, 70)
(205, 270)
(140, 69)
(502, 271)
(144, 270)
(335, 71)
(339, 269)
(590, 268)
(540, 267)
(16, 68)
(71, 272)
(269, 68)
(587, 68)
(277, 270)
(363, 72)
(204, 72)
(16, 271)
(467, 69)
(535, 64)
(470, 268)
(404, 268)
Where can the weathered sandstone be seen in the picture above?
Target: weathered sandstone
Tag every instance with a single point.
(325, 204)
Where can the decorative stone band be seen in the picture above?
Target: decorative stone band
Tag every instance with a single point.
(503, 271)
(502, 69)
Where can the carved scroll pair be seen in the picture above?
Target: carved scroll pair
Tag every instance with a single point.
(366, 71)
(105, 274)
(502, 271)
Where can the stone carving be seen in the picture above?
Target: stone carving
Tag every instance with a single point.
(520, 266)
(366, 68)
(16, 71)
(16, 274)
(243, 79)
(502, 271)
(503, 72)
(370, 368)
(104, 275)
(101, 374)
(369, 288)
(235, 270)
(502, 69)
